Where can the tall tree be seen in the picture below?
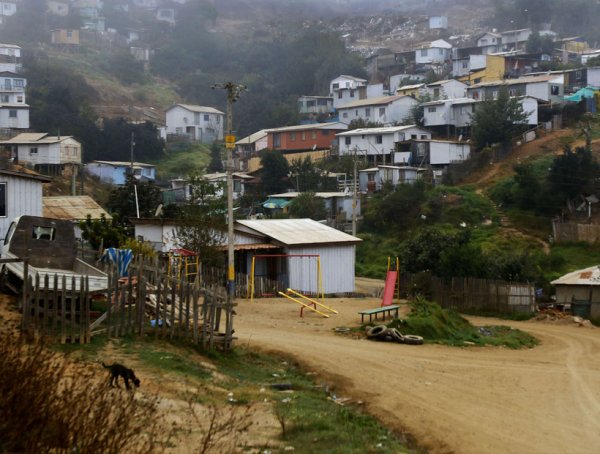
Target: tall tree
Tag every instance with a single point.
(498, 121)
(308, 205)
(274, 173)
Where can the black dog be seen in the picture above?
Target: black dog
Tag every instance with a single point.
(127, 374)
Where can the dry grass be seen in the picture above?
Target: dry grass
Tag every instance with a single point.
(50, 405)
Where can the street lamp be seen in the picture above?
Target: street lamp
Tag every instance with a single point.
(233, 93)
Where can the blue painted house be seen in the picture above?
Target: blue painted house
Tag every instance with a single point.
(115, 172)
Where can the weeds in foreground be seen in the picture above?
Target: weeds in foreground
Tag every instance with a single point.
(51, 405)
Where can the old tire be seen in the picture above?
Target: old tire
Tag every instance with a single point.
(377, 332)
(396, 335)
(411, 339)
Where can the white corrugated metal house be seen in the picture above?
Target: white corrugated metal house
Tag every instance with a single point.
(278, 238)
(383, 109)
(20, 194)
(580, 285)
(373, 179)
(378, 144)
(198, 123)
(45, 152)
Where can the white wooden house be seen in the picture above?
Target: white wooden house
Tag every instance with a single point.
(378, 144)
(438, 22)
(385, 109)
(437, 52)
(489, 42)
(197, 123)
(374, 178)
(343, 82)
(10, 58)
(446, 89)
(448, 112)
(14, 111)
(544, 87)
(20, 194)
(44, 152)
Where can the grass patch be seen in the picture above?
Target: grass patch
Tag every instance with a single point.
(172, 362)
(181, 163)
(310, 421)
(446, 326)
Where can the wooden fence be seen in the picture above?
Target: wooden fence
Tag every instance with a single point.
(147, 303)
(574, 232)
(465, 294)
(60, 310)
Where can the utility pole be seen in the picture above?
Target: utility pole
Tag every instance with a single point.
(354, 195)
(233, 93)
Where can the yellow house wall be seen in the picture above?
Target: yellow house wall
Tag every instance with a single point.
(494, 70)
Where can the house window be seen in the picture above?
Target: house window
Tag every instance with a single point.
(206, 117)
(352, 93)
(20, 98)
(276, 140)
(465, 64)
(441, 51)
(436, 92)
(4, 98)
(336, 86)
(512, 92)
(475, 95)
(413, 136)
(348, 140)
(303, 135)
(339, 95)
(69, 34)
(554, 90)
(477, 80)
(345, 115)
(3, 200)
(367, 111)
(431, 109)
(483, 41)
(12, 113)
(356, 113)
(423, 52)
(178, 130)
(196, 118)
(423, 136)
(325, 132)
(370, 177)
(313, 134)
(33, 150)
(382, 111)
(7, 84)
(218, 119)
(379, 139)
(293, 136)
(421, 150)
(19, 83)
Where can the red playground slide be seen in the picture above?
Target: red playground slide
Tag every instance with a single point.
(389, 289)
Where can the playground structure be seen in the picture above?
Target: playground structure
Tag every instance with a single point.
(319, 293)
(392, 283)
(183, 264)
(311, 304)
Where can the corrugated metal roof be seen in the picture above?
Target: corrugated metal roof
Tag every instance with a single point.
(385, 130)
(293, 232)
(378, 101)
(201, 109)
(35, 138)
(309, 126)
(255, 137)
(586, 276)
(72, 208)
(520, 80)
(124, 163)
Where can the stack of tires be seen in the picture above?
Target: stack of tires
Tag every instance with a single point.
(383, 333)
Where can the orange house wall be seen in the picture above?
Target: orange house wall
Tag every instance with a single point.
(286, 143)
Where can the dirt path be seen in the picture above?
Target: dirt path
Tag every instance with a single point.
(463, 400)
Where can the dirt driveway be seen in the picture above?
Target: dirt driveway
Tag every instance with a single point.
(464, 400)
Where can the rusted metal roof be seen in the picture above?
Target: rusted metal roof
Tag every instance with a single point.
(586, 276)
(73, 208)
(296, 232)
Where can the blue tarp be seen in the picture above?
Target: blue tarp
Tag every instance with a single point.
(587, 92)
(121, 257)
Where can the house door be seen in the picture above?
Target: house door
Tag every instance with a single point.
(191, 132)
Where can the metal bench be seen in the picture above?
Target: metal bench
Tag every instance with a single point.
(390, 310)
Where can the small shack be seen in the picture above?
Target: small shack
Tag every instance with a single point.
(581, 290)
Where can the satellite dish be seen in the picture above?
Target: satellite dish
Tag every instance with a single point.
(314, 147)
(158, 211)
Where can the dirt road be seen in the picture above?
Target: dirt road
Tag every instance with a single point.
(464, 400)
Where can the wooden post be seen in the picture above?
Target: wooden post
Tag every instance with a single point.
(87, 319)
(81, 310)
(55, 307)
(26, 306)
(181, 305)
(130, 301)
(157, 310)
(196, 295)
(163, 329)
(188, 293)
(63, 310)
(36, 307)
(122, 306)
(109, 303)
(173, 305)
(72, 302)
(142, 303)
(45, 307)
